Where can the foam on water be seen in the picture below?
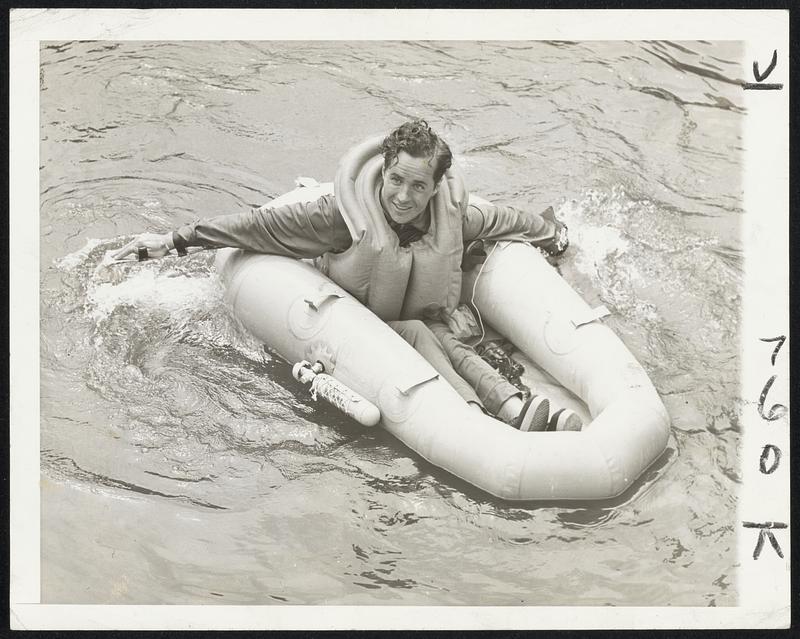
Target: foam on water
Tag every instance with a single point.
(593, 243)
(76, 258)
(148, 288)
(183, 296)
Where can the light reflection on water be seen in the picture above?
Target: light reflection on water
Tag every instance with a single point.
(183, 464)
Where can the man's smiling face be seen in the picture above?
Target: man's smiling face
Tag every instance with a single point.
(407, 188)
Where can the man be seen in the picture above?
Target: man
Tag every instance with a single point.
(393, 235)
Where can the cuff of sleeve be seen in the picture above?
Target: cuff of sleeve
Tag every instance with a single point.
(179, 242)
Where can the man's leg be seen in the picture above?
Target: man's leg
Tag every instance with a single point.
(491, 387)
(426, 344)
(500, 396)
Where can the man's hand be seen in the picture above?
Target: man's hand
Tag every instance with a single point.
(559, 241)
(155, 246)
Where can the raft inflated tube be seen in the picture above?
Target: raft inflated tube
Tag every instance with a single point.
(520, 295)
(337, 394)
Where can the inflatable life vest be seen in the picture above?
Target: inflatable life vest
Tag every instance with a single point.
(396, 282)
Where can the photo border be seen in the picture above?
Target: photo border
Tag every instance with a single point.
(763, 584)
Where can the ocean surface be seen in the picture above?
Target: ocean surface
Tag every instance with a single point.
(182, 464)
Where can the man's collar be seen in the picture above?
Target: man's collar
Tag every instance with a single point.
(422, 222)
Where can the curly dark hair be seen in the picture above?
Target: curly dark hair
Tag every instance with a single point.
(417, 139)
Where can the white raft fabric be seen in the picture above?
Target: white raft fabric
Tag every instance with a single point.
(302, 315)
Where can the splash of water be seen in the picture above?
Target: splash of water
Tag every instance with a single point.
(149, 288)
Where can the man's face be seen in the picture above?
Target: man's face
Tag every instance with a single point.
(407, 187)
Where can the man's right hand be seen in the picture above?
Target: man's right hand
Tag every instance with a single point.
(559, 241)
(156, 245)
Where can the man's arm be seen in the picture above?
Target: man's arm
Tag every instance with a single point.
(296, 230)
(492, 222)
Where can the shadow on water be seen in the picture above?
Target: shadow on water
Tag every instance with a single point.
(574, 513)
(58, 465)
(571, 513)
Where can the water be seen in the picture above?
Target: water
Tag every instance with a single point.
(183, 464)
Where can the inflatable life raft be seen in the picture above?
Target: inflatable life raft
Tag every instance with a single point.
(303, 316)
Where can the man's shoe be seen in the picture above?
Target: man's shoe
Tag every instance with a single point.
(533, 415)
(565, 419)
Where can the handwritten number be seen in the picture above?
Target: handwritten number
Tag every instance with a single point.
(776, 459)
(777, 411)
(780, 339)
(757, 75)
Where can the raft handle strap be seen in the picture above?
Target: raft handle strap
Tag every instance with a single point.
(408, 383)
(317, 303)
(305, 182)
(590, 316)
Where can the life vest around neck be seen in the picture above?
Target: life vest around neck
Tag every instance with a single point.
(394, 282)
